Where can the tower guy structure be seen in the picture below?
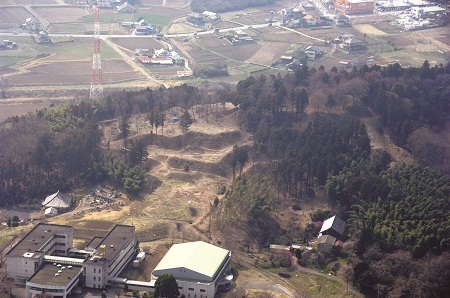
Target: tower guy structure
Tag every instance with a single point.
(96, 92)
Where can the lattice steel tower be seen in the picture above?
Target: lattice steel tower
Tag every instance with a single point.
(96, 80)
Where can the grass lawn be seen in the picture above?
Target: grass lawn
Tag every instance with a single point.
(11, 60)
(312, 285)
(81, 51)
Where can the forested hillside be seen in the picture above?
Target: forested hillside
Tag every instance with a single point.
(309, 135)
(226, 5)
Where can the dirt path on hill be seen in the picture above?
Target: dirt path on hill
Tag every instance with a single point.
(381, 140)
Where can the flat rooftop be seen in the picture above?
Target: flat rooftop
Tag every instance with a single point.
(114, 241)
(34, 240)
(46, 275)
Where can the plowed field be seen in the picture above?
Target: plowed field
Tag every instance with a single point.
(76, 72)
(64, 14)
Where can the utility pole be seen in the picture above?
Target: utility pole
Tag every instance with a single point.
(96, 92)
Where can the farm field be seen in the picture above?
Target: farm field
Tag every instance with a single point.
(176, 3)
(240, 52)
(138, 43)
(76, 72)
(19, 109)
(34, 2)
(13, 15)
(64, 14)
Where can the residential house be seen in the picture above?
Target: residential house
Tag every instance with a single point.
(307, 6)
(295, 23)
(354, 6)
(126, 8)
(310, 20)
(30, 24)
(104, 3)
(341, 20)
(333, 226)
(286, 59)
(354, 45)
(210, 17)
(313, 52)
(161, 53)
(143, 30)
(196, 19)
(326, 243)
(143, 52)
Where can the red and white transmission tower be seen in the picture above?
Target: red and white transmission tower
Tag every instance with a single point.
(96, 80)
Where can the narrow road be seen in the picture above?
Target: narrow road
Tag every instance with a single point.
(129, 60)
(302, 34)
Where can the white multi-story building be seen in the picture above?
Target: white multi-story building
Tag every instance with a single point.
(199, 268)
(27, 256)
(45, 260)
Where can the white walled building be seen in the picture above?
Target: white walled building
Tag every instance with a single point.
(199, 268)
(27, 256)
(42, 259)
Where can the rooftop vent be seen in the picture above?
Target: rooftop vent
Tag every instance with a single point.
(112, 246)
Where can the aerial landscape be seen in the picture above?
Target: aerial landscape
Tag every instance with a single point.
(206, 148)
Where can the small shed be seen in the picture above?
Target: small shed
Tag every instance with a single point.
(51, 211)
(140, 256)
(326, 243)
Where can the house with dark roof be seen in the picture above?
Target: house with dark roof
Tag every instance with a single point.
(354, 45)
(333, 226)
(126, 8)
(313, 52)
(326, 243)
(58, 200)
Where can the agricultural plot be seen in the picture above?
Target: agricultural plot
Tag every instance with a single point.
(202, 56)
(34, 2)
(62, 14)
(151, 2)
(6, 2)
(269, 53)
(177, 3)
(77, 72)
(165, 72)
(168, 12)
(13, 15)
(79, 49)
(444, 38)
(239, 52)
(138, 43)
(399, 41)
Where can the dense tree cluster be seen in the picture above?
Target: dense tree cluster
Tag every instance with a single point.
(50, 150)
(414, 213)
(211, 70)
(226, 5)
(251, 201)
